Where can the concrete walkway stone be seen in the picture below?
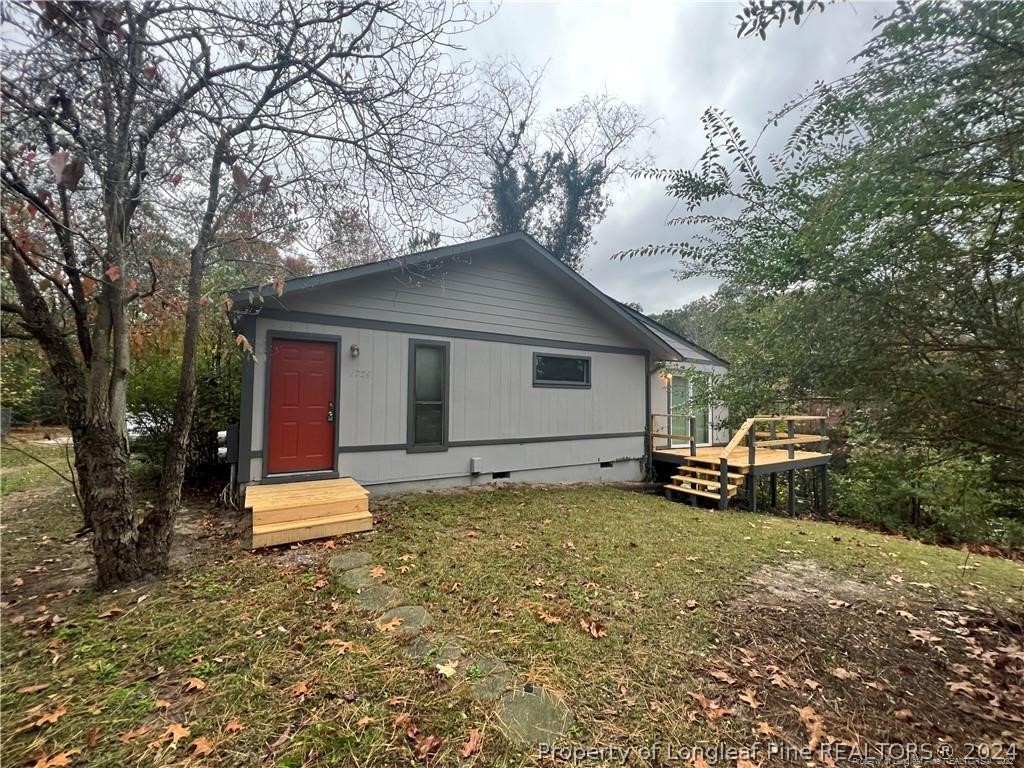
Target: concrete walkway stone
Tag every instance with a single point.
(378, 598)
(532, 715)
(358, 578)
(436, 649)
(346, 561)
(415, 619)
(488, 678)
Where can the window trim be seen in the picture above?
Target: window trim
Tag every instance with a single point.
(410, 431)
(563, 384)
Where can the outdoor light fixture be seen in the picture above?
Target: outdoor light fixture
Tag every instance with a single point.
(354, 349)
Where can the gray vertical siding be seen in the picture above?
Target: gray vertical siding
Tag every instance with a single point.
(488, 294)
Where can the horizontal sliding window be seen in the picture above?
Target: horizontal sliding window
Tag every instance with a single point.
(428, 396)
(560, 371)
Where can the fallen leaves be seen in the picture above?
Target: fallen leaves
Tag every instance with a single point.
(815, 725)
(200, 747)
(234, 725)
(843, 674)
(749, 697)
(422, 745)
(378, 572)
(172, 734)
(300, 690)
(593, 628)
(548, 618)
(60, 760)
(472, 745)
(390, 626)
(194, 684)
(763, 729)
(722, 676)
(904, 715)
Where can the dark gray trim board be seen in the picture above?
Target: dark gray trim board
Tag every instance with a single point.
(648, 458)
(299, 477)
(495, 441)
(767, 469)
(410, 404)
(563, 384)
(273, 334)
(317, 318)
(518, 241)
(247, 327)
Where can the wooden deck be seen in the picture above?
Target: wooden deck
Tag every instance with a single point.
(719, 472)
(286, 512)
(766, 460)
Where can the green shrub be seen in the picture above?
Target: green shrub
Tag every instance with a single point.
(945, 496)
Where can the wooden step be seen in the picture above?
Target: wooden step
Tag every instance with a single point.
(344, 506)
(713, 472)
(695, 492)
(302, 494)
(713, 485)
(303, 530)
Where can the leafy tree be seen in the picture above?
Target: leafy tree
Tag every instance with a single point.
(886, 240)
(182, 127)
(549, 176)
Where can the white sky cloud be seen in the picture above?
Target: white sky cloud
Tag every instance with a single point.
(674, 59)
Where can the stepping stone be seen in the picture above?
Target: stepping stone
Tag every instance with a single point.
(532, 715)
(358, 578)
(414, 619)
(346, 561)
(435, 650)
(488, 678)
(378, 598)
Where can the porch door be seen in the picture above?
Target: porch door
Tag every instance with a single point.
(301, 416)
(681, 406)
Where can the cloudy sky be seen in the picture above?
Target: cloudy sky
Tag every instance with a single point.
(673, 59)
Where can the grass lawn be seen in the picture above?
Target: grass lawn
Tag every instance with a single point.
(652, 621)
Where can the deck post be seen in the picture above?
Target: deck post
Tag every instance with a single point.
(823, 429)
(791, 493)
(692, 427)
(723, 483)
(751, 460)
(790, 432)
(824, 489)
(773, 485)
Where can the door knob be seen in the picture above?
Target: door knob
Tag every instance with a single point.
(330, 411)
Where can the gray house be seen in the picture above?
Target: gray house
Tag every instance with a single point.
(467, 364)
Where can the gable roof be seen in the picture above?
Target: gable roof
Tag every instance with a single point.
(519, 242)
(680, 343)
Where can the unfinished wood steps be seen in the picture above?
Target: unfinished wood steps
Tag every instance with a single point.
(287, 512)
(695, 480)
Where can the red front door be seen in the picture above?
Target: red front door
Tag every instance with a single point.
(302, 406)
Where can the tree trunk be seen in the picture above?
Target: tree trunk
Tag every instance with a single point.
(157, 530)
(108, 503)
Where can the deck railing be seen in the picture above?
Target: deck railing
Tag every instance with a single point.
(748, 432)
(690, 438)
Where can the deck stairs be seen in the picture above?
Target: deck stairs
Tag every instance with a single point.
(287, 512)
(698, 480)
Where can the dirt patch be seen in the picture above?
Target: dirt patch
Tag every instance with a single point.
(817, 659)
(45, 559)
